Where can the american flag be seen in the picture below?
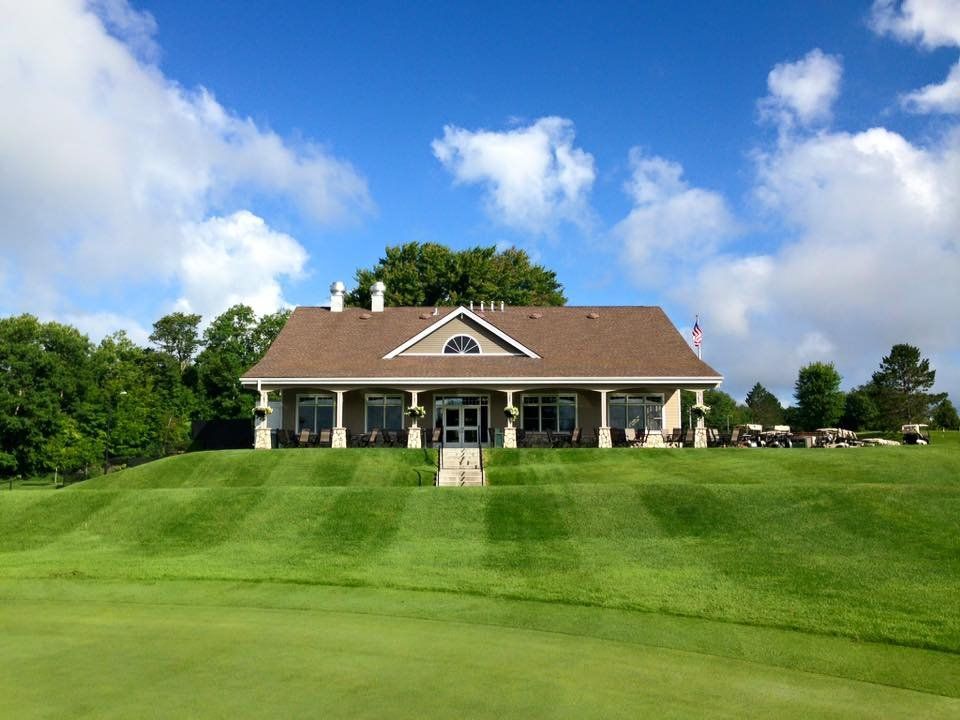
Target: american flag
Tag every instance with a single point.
(697, 333)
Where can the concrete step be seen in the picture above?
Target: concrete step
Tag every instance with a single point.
(461, 478)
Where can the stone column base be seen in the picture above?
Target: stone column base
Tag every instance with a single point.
(261, 438)
(413, 437)
(654, 440)
(510, 437)
(603, 439)
(700, 437)
(338, 439)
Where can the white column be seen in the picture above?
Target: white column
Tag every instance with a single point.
(339, 437)
(413, 432)
(261, 433)
(603, 438)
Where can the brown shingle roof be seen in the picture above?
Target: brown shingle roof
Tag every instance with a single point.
(621, 342)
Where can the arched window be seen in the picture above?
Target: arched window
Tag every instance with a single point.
(461, 345)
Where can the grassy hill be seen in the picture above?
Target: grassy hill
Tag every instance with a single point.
(844, 563)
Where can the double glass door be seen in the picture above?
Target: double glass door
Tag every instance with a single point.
(461, 425)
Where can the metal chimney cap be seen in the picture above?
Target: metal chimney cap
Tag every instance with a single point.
(337, 287)
(378, 288)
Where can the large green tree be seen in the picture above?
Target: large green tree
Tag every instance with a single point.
(900, 386)
(945, 415)
(859, 411)
(45, 382)
(764, 406)
(233, 342)
(177, 334)
(431, 274)
(819, 398)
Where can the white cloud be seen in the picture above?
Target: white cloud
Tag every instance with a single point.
(873, 259)
(106, 160)
(236, 259)
(671, 223)
(803, 91)
(932, 24)
(938, 97)
(534, 176)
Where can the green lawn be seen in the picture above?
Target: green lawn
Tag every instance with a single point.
(790, 583)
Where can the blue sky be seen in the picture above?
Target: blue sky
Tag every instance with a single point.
(790, 171)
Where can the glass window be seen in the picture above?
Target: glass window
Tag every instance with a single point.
(461, 345)
(315, 412)
(549, 412)
(384, 412)
(644, 412)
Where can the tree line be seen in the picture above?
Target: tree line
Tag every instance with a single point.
(70, 405)
(898, 392)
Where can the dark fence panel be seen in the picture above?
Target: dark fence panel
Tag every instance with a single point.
(222, 434)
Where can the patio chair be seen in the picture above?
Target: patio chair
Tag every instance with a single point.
(435, 438)
(402, 437)
(390, 438)
(674, 439)
(324, 438)
(629, 437)
(688, 437)
(618, 437)
(735, 437)
(575, 437)
(373, 438)
(303, 440)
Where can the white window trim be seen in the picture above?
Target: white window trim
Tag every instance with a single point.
(296, 409)
(462, 335)
(460, 312)
(540, 394)
(663, 404)
(366, 401)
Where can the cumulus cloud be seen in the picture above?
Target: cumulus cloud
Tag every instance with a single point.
(931, 24)
(106, 160)
(872, 259)
(803, 92)
(534, 176)
(671, 223)
(229, 260)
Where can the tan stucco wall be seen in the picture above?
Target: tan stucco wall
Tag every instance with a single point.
(434, 342)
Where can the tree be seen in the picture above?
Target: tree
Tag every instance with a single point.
(859, 411)
(177, 334)
(900, 386)
(44, 379)
(431, 274)
(233, 343)
(945, 416)
(819, 398)
(764, 408)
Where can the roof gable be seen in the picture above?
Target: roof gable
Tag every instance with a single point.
(498, 342)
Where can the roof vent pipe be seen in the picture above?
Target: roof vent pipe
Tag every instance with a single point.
(376, 297)
(336, 296)
(471, 306)
(501, 306)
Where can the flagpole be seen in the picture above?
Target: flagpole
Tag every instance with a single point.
(696, 323)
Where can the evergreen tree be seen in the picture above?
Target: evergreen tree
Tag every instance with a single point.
(945, 416)
(764, 406)
(900, 386)
(859, 411)
(819, 398)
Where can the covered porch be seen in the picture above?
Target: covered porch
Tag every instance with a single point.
(473, 415)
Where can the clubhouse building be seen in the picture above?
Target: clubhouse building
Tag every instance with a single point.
(586, 369)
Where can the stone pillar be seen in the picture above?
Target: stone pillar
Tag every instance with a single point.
(700, 435)
(510, 436)
(338, 439)
(261, 438)
(261, 433)
(654, 440)
(413, 437)
(603, 439)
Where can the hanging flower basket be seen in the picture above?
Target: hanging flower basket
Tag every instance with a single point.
(700, 410)
(512, 412)
(416, 411)
(262, 411)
